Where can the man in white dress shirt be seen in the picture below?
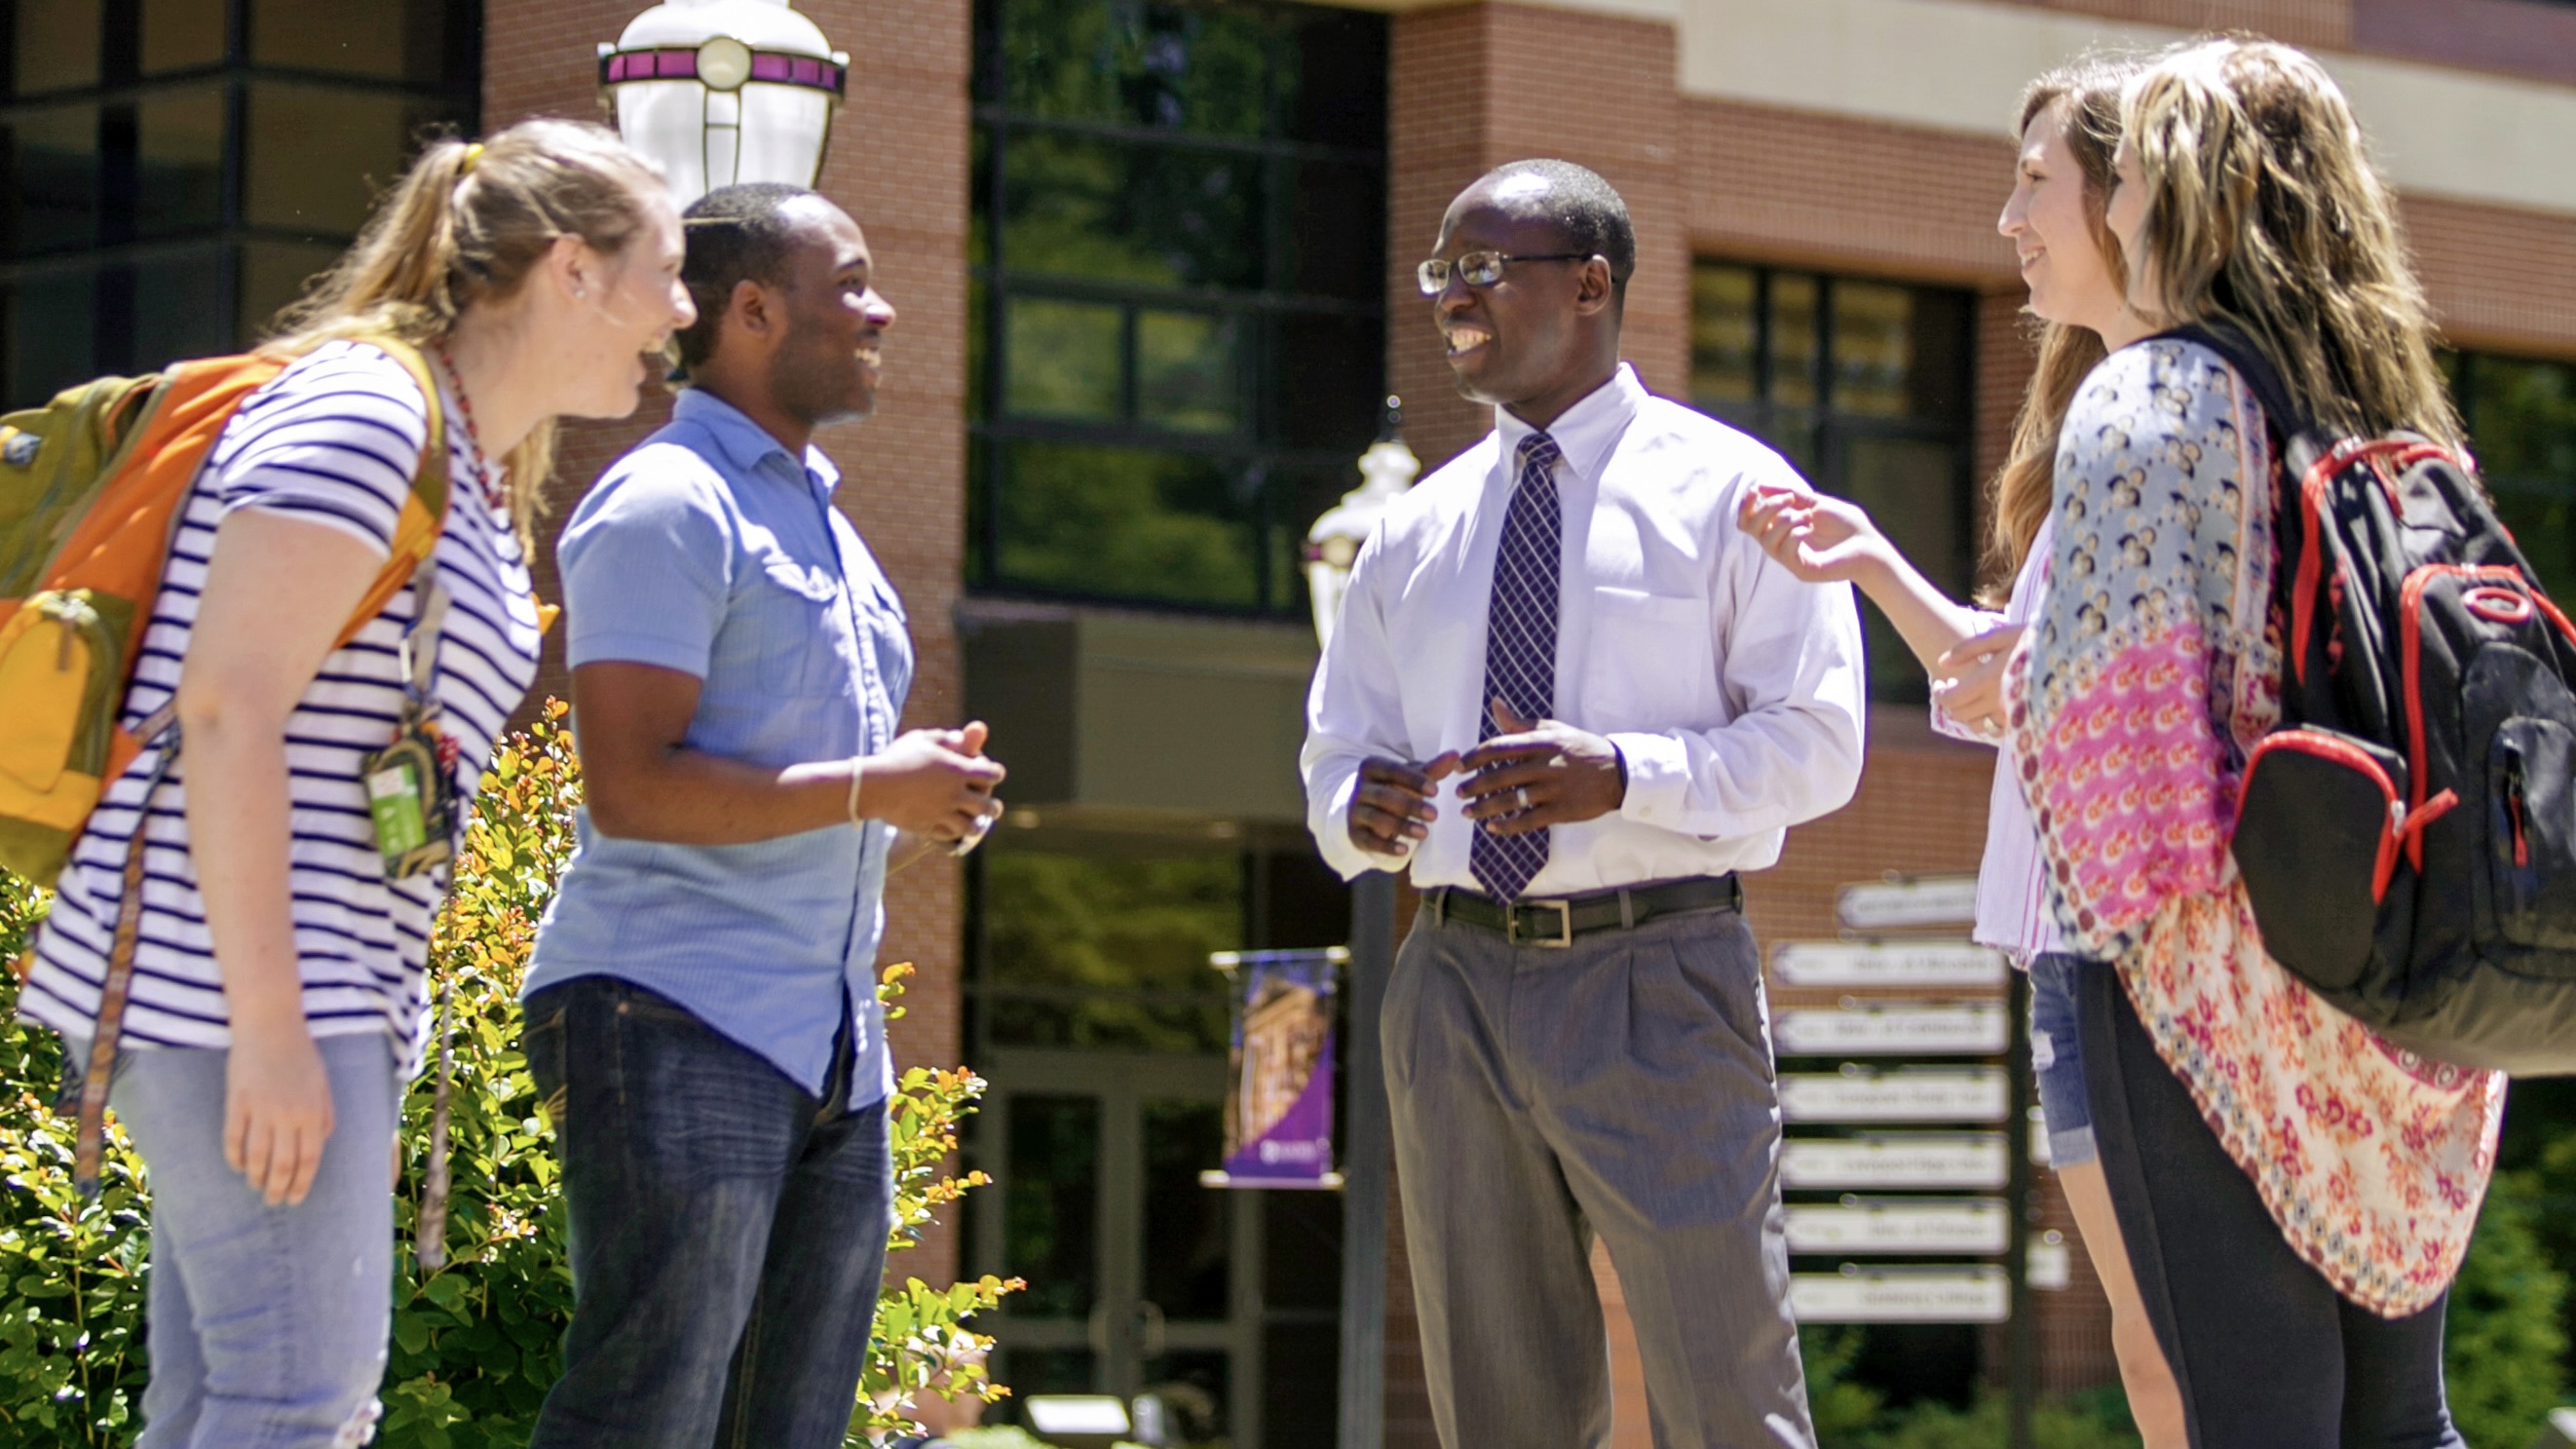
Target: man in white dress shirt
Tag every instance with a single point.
(1576, 701)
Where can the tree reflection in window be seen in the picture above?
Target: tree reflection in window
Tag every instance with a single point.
(2521, 417)
(177, 169)
(1106, 953)
(1179, 264)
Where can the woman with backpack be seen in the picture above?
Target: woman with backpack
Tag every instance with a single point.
(2055, 218)
(2295, 1194)
(297, 818)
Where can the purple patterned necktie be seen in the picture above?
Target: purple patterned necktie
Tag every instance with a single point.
(1520, 648)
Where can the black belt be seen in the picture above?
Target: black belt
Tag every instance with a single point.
(1558, 921)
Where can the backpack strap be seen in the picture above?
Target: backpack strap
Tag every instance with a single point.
(424, 513)
(2240, 353)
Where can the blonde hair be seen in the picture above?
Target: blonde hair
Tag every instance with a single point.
(2087, 92)
(467, 225)
(2265, 214)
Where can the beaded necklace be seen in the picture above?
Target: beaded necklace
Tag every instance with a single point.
(497, 499)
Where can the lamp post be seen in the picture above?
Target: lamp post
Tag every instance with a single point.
(723, 91)
(1332, 545)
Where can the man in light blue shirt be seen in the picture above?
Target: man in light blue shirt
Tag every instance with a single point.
(701, 1012)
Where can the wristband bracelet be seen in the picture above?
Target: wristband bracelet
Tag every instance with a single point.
(857, 771)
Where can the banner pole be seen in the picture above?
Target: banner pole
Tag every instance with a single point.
(1367, 1166)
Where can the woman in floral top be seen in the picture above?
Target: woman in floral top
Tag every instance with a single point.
(2295, 1194)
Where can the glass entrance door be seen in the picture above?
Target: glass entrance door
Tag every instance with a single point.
(1141, 1280)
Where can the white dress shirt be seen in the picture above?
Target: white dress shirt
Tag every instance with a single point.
(1733, 691)
(2014, 913)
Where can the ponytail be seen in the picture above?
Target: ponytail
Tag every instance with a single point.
(467, 225)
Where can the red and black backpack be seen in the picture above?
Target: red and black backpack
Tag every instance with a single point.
(2407, 834)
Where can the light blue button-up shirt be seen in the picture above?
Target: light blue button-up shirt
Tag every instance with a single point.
(711, 550)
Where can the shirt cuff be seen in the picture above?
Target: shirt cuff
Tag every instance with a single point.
(1658, 779)
(1945, 723)
(1333, 838)
(632, 648)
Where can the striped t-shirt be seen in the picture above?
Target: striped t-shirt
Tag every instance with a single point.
(334, 439)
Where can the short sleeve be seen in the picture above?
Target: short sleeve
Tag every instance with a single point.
(335, 439)
(647, 564)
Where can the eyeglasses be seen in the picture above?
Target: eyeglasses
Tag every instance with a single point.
(1478, 269)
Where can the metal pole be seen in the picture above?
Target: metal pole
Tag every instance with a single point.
(1365, 1166)
(2022, 1332)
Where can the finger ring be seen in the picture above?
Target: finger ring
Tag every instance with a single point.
(1520, 797)
(974, 836)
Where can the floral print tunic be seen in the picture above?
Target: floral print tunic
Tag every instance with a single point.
(2154, 667)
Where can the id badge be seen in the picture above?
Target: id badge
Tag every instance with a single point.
(412, 798)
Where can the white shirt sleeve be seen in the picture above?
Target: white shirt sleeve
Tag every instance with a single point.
(1353, 712)
(1789, 661)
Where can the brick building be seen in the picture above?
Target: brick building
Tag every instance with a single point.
(1154, 268)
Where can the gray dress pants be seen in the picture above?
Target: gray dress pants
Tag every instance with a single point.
(1620, 1086)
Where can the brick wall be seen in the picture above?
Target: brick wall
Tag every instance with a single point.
(2326, 23)
(1806, 189)
(2498, 277)
(898, 163)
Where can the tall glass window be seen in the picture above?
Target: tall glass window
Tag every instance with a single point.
(1867, 387)
(2521, 416)
(1179, 273)
(171, 171)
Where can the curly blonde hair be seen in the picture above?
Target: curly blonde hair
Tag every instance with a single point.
(2265, 214)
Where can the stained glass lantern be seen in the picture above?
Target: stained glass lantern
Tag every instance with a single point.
(724, 91)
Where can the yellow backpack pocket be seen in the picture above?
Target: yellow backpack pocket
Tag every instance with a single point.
(58, 669)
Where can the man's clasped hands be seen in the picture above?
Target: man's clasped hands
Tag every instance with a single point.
(1535, 774)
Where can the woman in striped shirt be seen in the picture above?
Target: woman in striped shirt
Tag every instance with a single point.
(277, 989)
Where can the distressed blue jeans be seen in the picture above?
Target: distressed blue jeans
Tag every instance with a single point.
(728, 1230)
(267, 1324)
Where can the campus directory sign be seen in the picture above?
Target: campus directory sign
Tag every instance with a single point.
(1863, 1094)
(1885, 1028)
(1978, 1293)
(1279, 1090)
(1905, 965)
(1895, 1098)
(1900, 1225)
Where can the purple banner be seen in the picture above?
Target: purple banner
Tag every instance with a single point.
(1279, 1101)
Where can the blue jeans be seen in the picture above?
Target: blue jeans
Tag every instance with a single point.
(267, 1324)
(2057, 1057)
(728, 1230)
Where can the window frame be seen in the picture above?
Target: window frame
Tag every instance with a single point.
(1256, 450)
(118, 96)
(1830, 433)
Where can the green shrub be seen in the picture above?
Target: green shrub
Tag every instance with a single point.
(2503, 1345)
(2087, 1423)
(476, 1343)
(1851, 1415)
(71, 1273)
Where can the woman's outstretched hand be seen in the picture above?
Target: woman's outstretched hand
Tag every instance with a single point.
(1968, 681)
(1819, 539)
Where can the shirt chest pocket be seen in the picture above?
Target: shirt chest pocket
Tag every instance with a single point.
(1649, 666)
(803, 624)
